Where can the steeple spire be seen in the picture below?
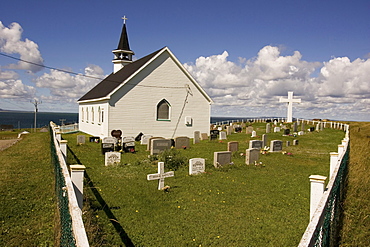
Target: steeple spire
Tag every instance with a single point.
(123, 54)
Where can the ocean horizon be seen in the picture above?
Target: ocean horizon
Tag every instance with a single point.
(24, 119)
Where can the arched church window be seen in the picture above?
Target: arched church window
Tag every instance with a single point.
(163, 110)
(92, 114)
(82, 114)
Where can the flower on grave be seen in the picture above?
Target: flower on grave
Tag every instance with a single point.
(166, 188)
(183, 147)
(231, 163)
(241, 154)
(265, 150)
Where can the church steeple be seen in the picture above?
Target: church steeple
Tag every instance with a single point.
(123, 54)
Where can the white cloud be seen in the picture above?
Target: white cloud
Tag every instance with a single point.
(66, 87)
(11, 43)
(16, 89)
(345, 79)
(252, 87)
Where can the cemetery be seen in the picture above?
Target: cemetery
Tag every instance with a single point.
(236, 198)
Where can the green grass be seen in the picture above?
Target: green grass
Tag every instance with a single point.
(27, 211)
(356, 223)
(237, 205)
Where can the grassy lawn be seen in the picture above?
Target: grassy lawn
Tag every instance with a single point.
(237, 205)
(356, 225)
(27, 212)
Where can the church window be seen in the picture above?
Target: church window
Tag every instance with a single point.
(163, 110)
(87, 114)
(82, 114)
(92, 114)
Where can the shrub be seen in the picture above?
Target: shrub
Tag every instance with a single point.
(172, 159)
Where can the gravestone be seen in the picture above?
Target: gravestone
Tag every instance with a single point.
(254, 133)
(221, 158)
(232, 146)
(301, 133)
(204, 136)
(276, 146)
(112, 158)
(264, 140)
(287, 143)
(238, 129)
(312, 129)
(196, 166)
(196, 137)
(144, 139)
(268, 128)
(138, 137)
(81, 139)
(251, 155)
(255, 144)
(182, 142)
(149, 146)
(222, 135)
(249, 130)
(116, 133)
(107, 144)
(295, 142)
(228, 130)
(276, 129)
(214, 134)
(302, 126)
(128, 144)
(287, 132)
(161, 175)
(295, 127)
(159, 145)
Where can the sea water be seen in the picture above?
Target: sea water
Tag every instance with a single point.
(22, 120)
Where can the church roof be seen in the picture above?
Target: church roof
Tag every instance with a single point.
(114, 81)
(111, 82)
(123, 41)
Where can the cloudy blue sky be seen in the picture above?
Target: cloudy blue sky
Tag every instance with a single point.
(245, 54)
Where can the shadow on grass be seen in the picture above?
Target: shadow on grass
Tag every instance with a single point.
(104, 206)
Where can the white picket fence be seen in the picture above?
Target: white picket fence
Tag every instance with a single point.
(322, 229)
(78, 227)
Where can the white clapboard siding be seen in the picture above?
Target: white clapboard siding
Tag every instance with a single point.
(133, 109)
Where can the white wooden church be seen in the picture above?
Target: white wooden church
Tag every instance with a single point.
(154, 95)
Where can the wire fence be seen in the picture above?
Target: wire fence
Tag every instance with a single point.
(66, 232)
(328, 233)
(324, 227)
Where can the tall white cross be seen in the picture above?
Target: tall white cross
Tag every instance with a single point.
(290, 102)
(124, 18)
(161, 175)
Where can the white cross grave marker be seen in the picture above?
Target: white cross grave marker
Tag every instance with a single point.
(161, 175)
(290, 102)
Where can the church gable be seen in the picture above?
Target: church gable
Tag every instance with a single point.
(114, 80)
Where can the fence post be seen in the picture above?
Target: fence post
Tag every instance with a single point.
(340, 149)
(77, 177)
(333, 162)
(317, 189)
(63, 147)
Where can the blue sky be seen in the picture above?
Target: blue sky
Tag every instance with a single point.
(245, 54)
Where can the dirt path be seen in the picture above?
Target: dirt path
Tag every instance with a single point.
(4, 144)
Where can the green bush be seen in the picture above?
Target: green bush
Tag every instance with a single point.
(173, 159)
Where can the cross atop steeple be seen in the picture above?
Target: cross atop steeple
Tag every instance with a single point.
(124, 18)
(123, 53)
